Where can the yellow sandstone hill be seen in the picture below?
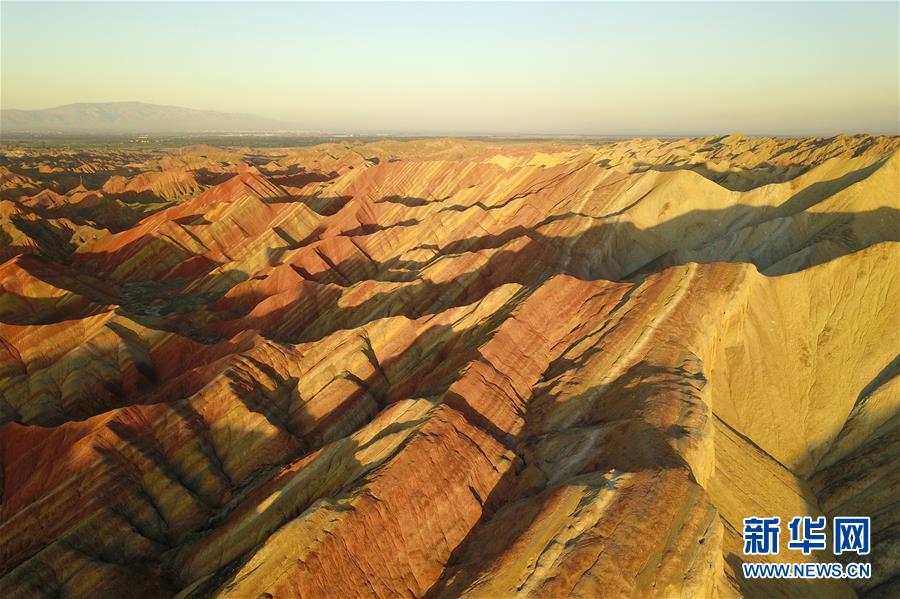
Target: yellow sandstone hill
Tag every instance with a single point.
(445, 368)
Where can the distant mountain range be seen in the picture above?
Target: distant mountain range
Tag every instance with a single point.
(131, 117)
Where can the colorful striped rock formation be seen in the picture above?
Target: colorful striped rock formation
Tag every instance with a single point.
(444, 368)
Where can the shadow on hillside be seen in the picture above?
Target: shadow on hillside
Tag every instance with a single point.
(573, 244)
(569, 244)
(735, 178)
(603, 251)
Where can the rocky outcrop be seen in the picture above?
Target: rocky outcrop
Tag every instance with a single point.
(450, 369)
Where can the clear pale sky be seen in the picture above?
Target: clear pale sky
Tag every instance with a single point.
(588, 68)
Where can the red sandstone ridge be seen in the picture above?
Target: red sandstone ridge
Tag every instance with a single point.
(444, 368)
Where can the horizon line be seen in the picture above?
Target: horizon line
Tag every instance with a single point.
(308, 133)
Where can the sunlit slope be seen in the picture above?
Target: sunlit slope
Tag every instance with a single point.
(444, 368)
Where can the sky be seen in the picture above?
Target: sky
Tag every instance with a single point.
(595, 68)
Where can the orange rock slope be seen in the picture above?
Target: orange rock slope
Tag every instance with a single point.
(444, 368)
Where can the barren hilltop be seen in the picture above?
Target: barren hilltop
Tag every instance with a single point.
(443, 368)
